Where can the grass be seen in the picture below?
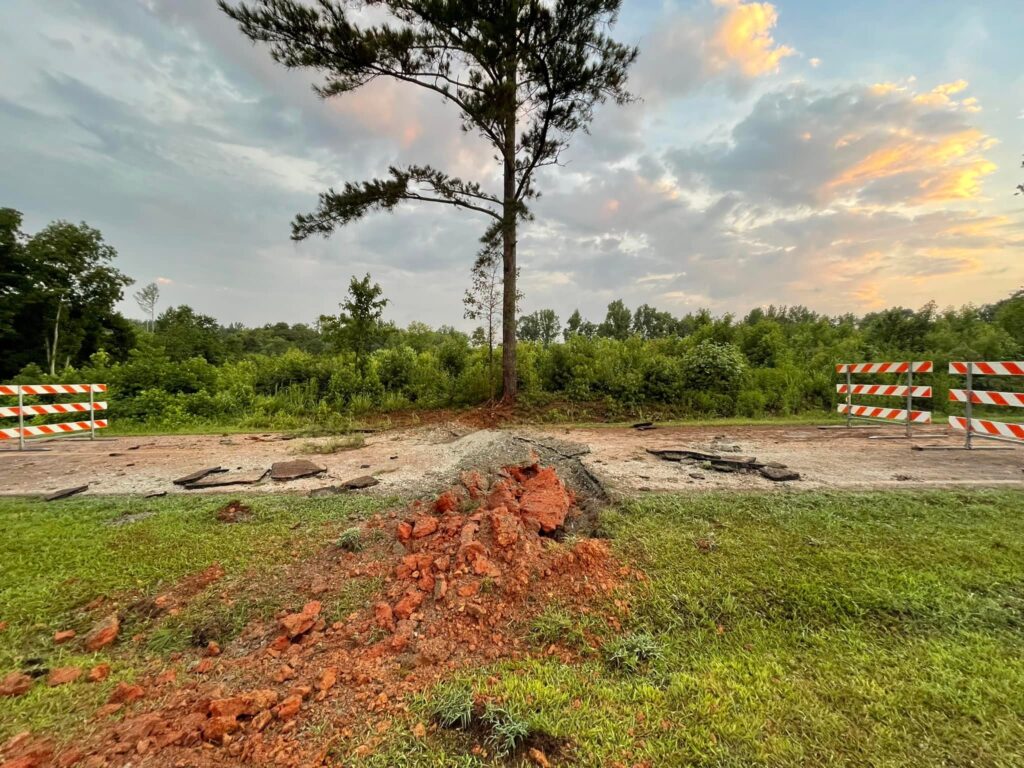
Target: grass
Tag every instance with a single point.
(55, 558)
(334, 445)
(880, 629)
(824, 629)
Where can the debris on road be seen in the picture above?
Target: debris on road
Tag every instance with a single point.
(643, 426)
(294, 470)
(154, 494)
(726, 464)
(357, 483)
(65, 492)
(223, 480)
(779, 474)
(199, 474)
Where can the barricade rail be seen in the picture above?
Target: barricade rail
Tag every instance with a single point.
(906, 415)
(21, 410)
(986, 429)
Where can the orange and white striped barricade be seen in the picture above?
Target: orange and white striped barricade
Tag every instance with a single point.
(907, 415)
(986, 428)
(51, 430)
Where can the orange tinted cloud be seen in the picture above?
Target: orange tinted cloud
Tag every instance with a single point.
(744, 38)
(942, 167)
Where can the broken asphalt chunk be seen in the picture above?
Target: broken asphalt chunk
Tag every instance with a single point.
(294, 470)
(198, 475)
(65, 492)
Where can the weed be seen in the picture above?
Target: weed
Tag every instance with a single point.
(556, 625)
(451, 705)
(633, 652)
(351, 540)
(506, 731)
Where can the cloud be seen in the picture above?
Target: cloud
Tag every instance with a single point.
(880, 144)
(744, 39)
(731, 43)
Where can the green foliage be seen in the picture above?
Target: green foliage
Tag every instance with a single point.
(451, 705)
(358, 327)
(351, 540)
(58, 289)
(632, 653)
(506, 730)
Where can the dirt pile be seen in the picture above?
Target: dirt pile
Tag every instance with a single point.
(460, 576)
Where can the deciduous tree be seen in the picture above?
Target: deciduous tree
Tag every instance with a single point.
(358, 326)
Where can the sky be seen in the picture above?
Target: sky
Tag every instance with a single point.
(843, 156)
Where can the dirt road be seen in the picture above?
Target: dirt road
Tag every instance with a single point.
(413, 461)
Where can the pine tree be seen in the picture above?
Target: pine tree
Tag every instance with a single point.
(524, 74)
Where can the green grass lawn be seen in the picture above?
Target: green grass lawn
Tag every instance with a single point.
(881, 629)
(802, 629)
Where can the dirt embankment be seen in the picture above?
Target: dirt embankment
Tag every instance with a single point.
(462, 575)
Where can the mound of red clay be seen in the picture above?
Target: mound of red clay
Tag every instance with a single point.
(462, 577)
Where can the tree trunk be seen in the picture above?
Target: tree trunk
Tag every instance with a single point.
(510, 386)
(56, 333)
(508, 304)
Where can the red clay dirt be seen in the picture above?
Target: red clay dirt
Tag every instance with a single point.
(462, 576)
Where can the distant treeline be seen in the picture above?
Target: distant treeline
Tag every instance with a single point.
(180, 367)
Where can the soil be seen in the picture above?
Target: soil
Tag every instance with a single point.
(462, 573)
(421, 460)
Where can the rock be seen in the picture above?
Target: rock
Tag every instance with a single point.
(446, 502)
(212, 648)
(319, 585)
(103, 634)
(65, 492)
(384, 617)
(538, 758)
(424, 526)
(154, 494)
(294, 470)
(404, 531)
(363, 481)
(505, 527)
(289, 708)
(63, 676)
(98, 674)
(262, 720)
(777, 474)
(410, 602)
(419, 731)
(696, 475)
(216, 728)
(15, 684)
(199, 474)
(295, 624)
(126, 693)
(63, 636)
(244, 704)
(545, 500)
(327, 679)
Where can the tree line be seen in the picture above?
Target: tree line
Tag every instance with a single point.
(176, 366)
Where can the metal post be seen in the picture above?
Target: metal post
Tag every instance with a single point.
(21, 420)
(967, 406)
(910, 391)
(849, 398)
(92, 415)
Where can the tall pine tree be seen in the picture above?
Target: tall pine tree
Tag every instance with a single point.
(524, 74)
